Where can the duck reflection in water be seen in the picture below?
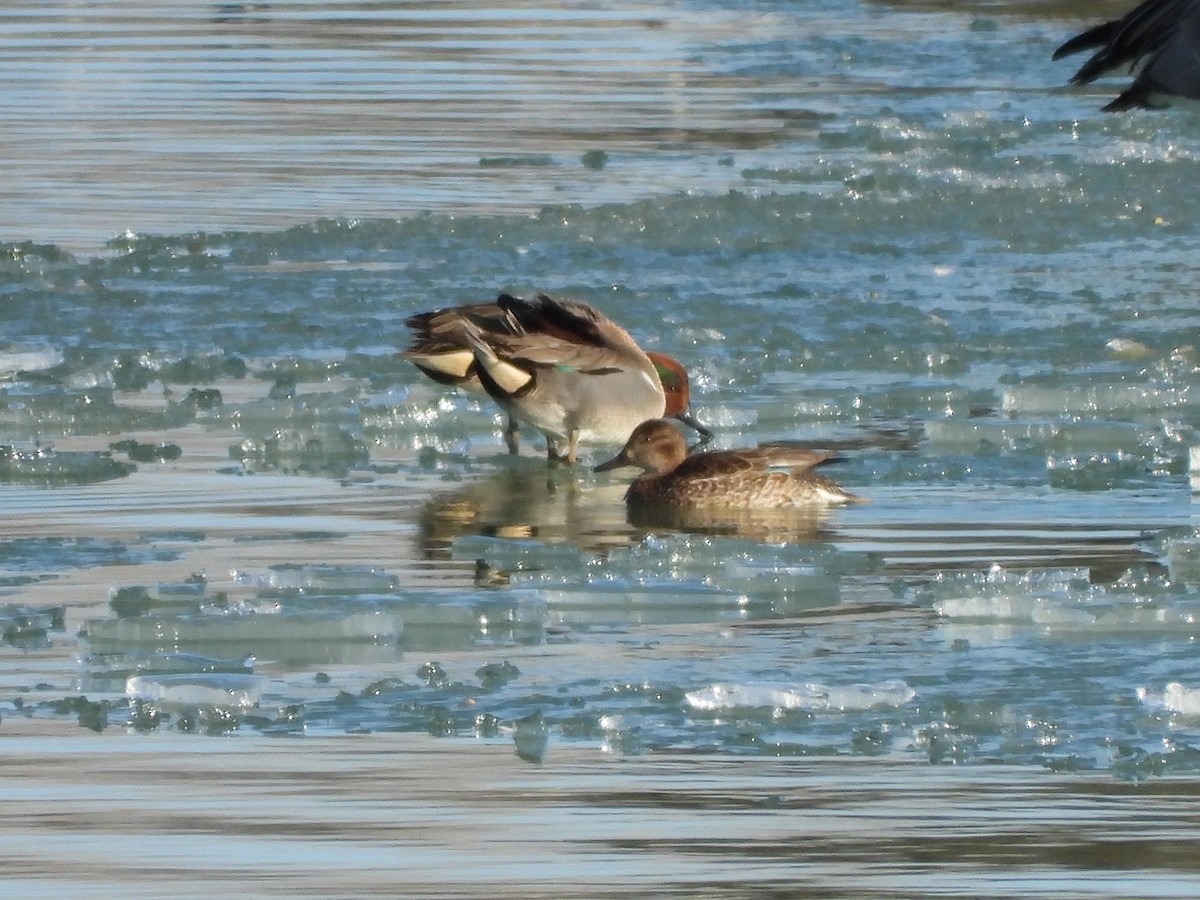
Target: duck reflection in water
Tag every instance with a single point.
(522, 501)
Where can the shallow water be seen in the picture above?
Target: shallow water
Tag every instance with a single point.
(231, 510)
(388, 815)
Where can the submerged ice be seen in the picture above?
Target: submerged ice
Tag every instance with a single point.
(45, 465)
(1065, 600)
(1173, 698)
(232, 691)
(808, 696)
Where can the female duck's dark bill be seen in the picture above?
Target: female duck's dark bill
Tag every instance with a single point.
(615, 463)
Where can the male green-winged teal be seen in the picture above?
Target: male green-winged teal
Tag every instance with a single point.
(755, 478)
(558, 365)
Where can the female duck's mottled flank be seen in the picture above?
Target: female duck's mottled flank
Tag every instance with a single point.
(558, 365)
(1159, 40)
(757, 478)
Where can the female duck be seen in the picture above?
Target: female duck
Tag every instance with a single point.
(757, 478)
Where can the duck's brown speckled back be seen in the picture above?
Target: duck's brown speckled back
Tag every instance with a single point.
(755, 478)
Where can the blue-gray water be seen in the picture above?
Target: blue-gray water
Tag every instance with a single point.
(881, 228)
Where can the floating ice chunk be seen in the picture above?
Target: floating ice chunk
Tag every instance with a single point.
(1002, 607)
(139, 452)
(1014, 435)
(1004, 596)
(329, 578)
(45, 465)
(1183, 557)
(321, 447)
(810, 696)
(257, 628)
(1106, 612)
(1128, 348)
(26, 626)
(589, 594)
(1129, 617)
(15, 360)
(1178, 617)
(393, 396)
(216, 689)
(1095, 471)
(531, 738)
(1092, 399)
(184, 596)
(1062, 615)
(724, 417)
(1174, 697)
(738, 568)
(168, 664)
(970, 433)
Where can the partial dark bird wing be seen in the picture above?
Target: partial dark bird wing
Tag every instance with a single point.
(1159, 40)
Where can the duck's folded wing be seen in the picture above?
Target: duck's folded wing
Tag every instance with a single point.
(799, 459)
(721, 464)
(569, 321)
(539, 350)
(442, 330)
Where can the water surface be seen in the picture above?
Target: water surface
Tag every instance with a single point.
(235, 522)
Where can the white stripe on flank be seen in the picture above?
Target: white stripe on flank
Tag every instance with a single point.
(454, 364)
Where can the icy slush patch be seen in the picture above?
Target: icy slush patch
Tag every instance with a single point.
(1093, 399)
(228, 691)
(264, 629)
(1063, 600)
(49, 466)
(808, 696)
(997, 608)
(15, 360)
(1108, 615)
(1174, 697)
